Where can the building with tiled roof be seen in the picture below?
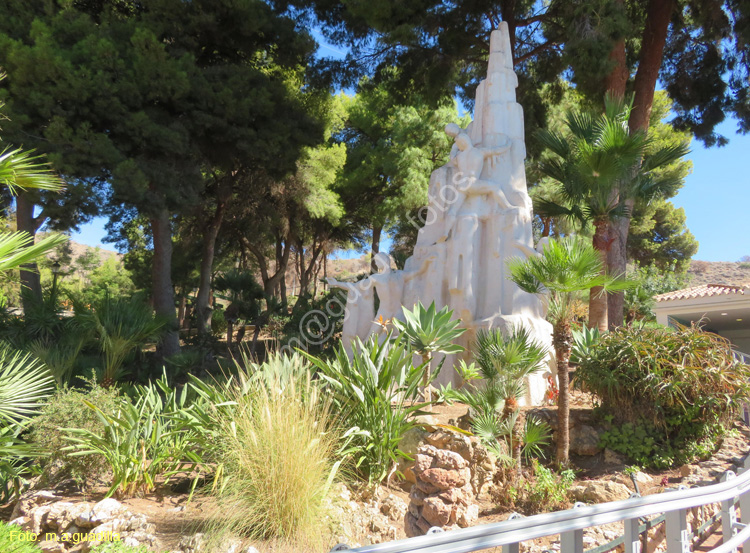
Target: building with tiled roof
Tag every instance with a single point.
(721, 308)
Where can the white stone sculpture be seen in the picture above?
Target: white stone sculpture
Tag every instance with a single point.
(479, 216)
(360, 307)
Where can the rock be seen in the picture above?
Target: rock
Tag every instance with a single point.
(599, 491)
(436, 512)
(29, 501)
(584, 440)
(39, 518)
(411, 528)
(104, 511)
(428, 422)
(426, 488)
(422, 461)
(79, 514)
(643, 478)
(443, 479)
(192, 544)
(688, 470)
(52, 546)
(443, 492)
(611, 457)
(59, 516)
(450, 460)
(468, 516)
(394, 508)
(20, 521)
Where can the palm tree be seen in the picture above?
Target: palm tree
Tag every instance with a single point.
(565, 268)
(599, 157)
(120, 325)
(429, 331)
(504, 363)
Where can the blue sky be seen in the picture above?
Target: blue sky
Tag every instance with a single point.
(715, 196)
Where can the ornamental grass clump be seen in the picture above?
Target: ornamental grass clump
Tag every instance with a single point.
(277, 451)
(669, 395)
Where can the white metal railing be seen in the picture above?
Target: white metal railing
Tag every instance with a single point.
(571, 523)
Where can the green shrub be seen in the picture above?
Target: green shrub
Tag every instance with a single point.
(668, 394)
(277, 449)
(68, 408)
(374, 393)
(10, 542)
(542, 491)
(141, 441)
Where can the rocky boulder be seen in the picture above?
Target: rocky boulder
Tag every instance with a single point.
(443, 495)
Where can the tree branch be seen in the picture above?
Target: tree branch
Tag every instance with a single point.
(536, 50)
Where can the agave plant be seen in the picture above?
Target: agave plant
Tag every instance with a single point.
(583, 341)
(373, 392)
(120, 325)
(430, 331)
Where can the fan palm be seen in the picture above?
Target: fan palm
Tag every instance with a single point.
(120, 325)
(429, 331)
(596, 166)
(24, 382)
(565, 268)
(505, 362)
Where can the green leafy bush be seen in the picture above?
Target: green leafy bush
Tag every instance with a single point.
(141, 441)
(542, 491)
(374, 392)
(69, 408)
(668, 394)
(11, 542)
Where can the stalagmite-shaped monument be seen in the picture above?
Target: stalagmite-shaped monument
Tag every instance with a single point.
(479, 216)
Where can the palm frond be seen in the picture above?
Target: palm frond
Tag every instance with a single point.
(18, 248)
(20, 170)
(24, 383)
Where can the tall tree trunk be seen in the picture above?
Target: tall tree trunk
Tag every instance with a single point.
(658, 16)
(26, 222)
(377, 230)
(162, 292)
(182, 310)
(203, 309)
(597, 298)
(562, 339)
(615, 83)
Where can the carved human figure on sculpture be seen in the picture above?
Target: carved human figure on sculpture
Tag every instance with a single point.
(389, 286)
(360, 310)
(467, 181)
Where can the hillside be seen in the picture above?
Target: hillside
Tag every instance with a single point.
(719, 272)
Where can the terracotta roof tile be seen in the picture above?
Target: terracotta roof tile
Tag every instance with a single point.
(702, 291)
